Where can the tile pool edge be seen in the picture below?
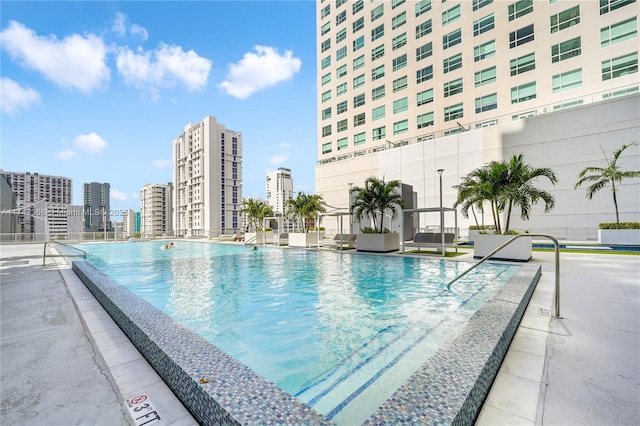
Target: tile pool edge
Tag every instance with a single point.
(232, 393)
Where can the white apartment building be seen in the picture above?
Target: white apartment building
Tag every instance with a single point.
(279, 190)
(156, 211)
(131, 223)
(409, 87)
(207, 160)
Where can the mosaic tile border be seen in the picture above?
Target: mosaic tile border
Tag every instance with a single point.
(448, 389)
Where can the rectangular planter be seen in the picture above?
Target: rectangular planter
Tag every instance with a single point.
(379, 243)
(518, 250)
(623, 237)
(301, 239)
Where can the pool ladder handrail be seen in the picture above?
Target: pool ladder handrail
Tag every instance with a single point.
(506, 243)
(44, 254)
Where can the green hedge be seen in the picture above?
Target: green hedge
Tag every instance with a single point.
(621, 225)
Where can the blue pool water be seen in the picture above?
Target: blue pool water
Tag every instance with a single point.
(340, 331)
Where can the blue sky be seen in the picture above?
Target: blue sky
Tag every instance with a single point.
(97, 91)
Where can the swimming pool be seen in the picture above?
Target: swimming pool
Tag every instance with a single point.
(342, 332)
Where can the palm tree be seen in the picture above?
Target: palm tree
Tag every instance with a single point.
(376, 198)
(305, 207)
(256, 211)
(600, 177)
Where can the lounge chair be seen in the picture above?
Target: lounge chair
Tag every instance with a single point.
(341, 241)
(432, 240)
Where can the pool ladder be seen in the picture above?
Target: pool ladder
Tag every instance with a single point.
(45, 255)
(506, 243)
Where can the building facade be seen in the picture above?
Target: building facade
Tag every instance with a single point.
(130, 223)
(401, 83)
(207, 159)
(96, 201)
(156, 211)
(279, 190)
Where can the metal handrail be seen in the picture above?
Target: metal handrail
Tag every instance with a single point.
(506, 243)
(44, 254)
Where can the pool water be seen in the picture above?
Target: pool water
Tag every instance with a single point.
(340, 331)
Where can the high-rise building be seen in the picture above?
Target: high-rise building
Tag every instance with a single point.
(156, 210)
(95, 196)
(130, 223)
(279, 190)
(207, 161)
(409, 87)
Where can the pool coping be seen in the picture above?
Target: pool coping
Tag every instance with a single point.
(216, 389)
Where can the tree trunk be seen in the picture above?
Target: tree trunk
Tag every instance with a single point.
(615, 200)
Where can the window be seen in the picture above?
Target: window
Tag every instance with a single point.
(399, 41)
(619, 32)
(340, 3)
(567, 105)
(342, 143)
(377, 32)
(326, 113)
(400, 62)
(454, 111)
(342, 125)
(326, 96)
(396, 3)
(425, 97)
(358, 43)
(423, 7)
(341, 71)
(399, 84)
(341, 17)
(452, 63)
(565, 50)
(341, 107)
(401, 127)
(377, 113)
(377, 12)
(377, 73)
(451, 39)
(565, 19)
(377, 53)
(359, 119)
(341, 53)
(399, 20)
(359, 139)
(325, 28)
(400, 105)
(521, 36)
(358, 81)
(358, 100)
(326, 148)
(424, 51)
(453, 87)
(486, 103)
(523, 93)
(485, 50)
(485, 76)
(622, 65)
(520, 8)
(423, 29)
(326, 130)
(326, 79)
(341, 89)
(424, 74)
(325, 11)
(621, 92)
(377, 93)
(357, 7)
(326, 62)
(379, 133)
(477, 4)
(425, 120)
(483, 25)
(358, 24)
(341, 35)
(358, 62)
(609, 5)
(523, 64)
(567, 81)
(451, 15)
(325, 45)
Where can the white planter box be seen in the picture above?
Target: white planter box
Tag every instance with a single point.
(380, 243)
(301, 239)
(625, 237)
(473, 233)
(519, 250)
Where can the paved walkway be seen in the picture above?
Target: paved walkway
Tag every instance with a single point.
(65, 362)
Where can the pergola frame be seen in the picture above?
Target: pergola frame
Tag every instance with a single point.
(440, 210)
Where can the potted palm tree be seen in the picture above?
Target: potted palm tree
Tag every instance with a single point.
(505, 185)
(304, 209)
(256, 211)
(600, 177)
(375, 200)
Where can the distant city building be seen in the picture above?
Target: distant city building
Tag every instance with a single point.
(207, 161)
(130, 223)
(96, 203)
(279, 190)
(8, 209)
(156, 210)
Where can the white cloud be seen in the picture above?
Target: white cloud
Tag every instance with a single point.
(77, 62)
(139, 31)
(163, 67)
(14, 97)
(66, 155)
(121, 26)
(119, 195)
(259, 70)
(161, 163)
(279, 159)
(90, 143)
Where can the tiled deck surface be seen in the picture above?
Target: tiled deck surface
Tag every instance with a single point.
(582, 369)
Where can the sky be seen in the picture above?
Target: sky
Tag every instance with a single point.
(97, 91)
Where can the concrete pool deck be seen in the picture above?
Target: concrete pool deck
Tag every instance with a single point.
(65, 362)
